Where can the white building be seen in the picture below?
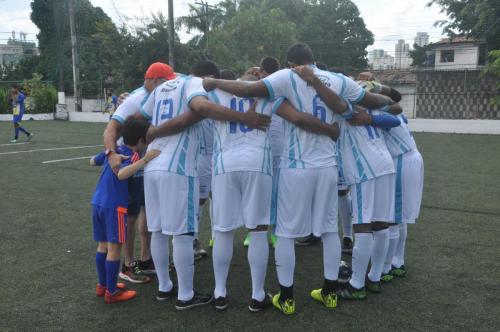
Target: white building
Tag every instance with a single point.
(10, 54)
(380, 60)
(459, 53)
(402, 59)
(422, 39)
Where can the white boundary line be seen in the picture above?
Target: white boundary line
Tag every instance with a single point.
(12, 144)
(59, 160)
(52, 149)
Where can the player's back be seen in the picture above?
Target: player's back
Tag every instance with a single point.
(169, 100)
(236, 146)
(363, 152)
(399, 139)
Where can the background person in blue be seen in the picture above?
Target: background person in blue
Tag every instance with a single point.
(17, 101)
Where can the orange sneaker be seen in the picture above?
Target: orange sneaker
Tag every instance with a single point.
(101, 290)
(119, 296)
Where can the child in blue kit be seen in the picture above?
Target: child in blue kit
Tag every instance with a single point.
(109, 208)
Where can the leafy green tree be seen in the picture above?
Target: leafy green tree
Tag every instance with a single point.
(493, 68)
(477, 18)
(420, 57)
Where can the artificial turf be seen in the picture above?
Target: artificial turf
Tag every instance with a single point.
(47, 252)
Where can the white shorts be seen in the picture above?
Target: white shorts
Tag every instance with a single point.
(307, 202)
(172, 202)
(241, 199)
(409, 185)
(373, 200)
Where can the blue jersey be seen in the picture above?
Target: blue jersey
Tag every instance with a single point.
(111, 192)
(18, 107)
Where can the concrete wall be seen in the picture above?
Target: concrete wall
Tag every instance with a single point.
(88, 105)
(27, 117)
(466, 57)
(490, 127)
(407, 98)
(458, 94)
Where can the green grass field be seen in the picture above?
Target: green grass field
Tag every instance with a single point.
(47, 252)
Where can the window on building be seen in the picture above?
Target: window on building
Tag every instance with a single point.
(447, 56)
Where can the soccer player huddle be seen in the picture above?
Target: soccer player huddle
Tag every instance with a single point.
(272, 150)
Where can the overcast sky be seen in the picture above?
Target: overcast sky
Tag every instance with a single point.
(389, 20)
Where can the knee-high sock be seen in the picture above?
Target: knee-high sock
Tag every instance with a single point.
(184, 265)
(363, 243)
(160, 251)
(112, 270)
(393, 243)
(16, 132)
(222, 255)
(379, 251)
(399, 255)
(100, 263)
(345, 214)
(258, 254)
(331, 255)
(284, 254)
(24, 130)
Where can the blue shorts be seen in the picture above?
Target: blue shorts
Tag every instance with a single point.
(110, 225)
(135, 195)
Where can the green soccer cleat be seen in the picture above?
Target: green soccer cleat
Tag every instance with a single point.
(287, 307)
(399, 272)
(373, 286)
(329, 300)
(350, 293)
(13, 140)
(273, 240)
(246, 241)
(386, 277)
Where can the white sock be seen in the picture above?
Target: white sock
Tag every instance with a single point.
(221, 255)
(331, 255)
(399, 255)
(284, 254)
(258, 254)
(393, 243)
(211, 214)
(160, 252)
(184, 265)
(345, 214)
(363, 243)
(379, 251)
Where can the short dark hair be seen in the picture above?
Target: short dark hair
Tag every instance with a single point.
(300, 54)
(133, 130)
(227, 74)
(269, 64)
(338, 70)
(321, 65)
(205, 68)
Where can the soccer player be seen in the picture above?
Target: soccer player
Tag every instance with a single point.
(17, 101)
(109, 209)
(368, 169)
(171, 182)
(131, 269)
(309, 163)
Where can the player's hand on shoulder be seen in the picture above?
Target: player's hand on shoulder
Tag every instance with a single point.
(360, 118)
(305, 72)
(366, 76)
(115, 161)
(209, 84)
(151, 154)
(122, 98)
(254, 71)
(151, 134)
(255, 120)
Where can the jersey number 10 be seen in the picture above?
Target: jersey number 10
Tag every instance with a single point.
(239, 106)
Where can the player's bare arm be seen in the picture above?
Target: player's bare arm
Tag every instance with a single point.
(111, 135)
(375, 100)
(384, 120)
(237, 88)
(207, 109)
(329, 97)
(129, 171)
(307, 122)
(173, 126)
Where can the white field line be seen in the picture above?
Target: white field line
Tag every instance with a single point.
(52, 149)
(59, 160)
(12, 144)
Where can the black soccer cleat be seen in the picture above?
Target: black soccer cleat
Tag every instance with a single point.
(256, 306)
(196, 301)
(163, 296)
(221, 303)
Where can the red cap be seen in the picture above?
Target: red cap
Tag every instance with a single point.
(160, 70)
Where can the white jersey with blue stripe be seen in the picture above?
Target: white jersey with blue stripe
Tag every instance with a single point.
(399, 139)
(363, 153)
(206, 136)
(237, 147)
(131, 105)
(303, 149)
(169, 100)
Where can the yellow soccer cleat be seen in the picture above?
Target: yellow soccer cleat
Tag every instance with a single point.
(287, 307)
(329, 300)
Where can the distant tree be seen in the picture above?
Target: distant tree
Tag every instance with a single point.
(420, 57)
(493, 68)
(477, 18)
